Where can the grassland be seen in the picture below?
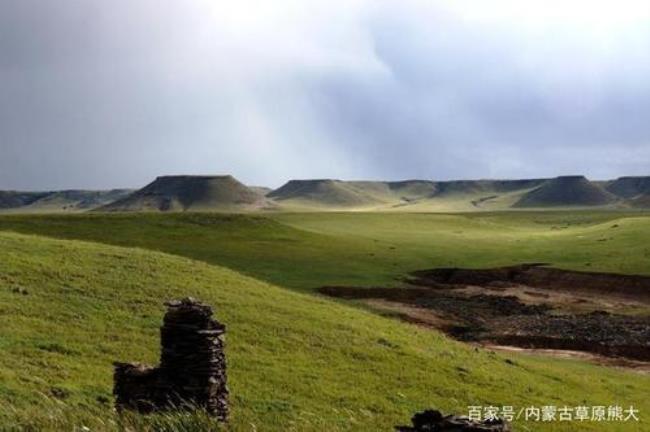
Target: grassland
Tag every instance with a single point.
(296, 361)
(305, 251)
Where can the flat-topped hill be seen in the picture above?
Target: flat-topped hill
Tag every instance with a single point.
(629, 187)
(188, 192)
(323, 192)
(58, 201)
(225, 193)
(567, 191)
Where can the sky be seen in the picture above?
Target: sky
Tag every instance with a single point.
(97, 94)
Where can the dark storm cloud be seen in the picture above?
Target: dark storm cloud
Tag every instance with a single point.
(459, 103)
(111, 94)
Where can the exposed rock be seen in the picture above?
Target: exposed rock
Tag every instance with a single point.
(192, 358)
(537, 275)
(434, 421)
(136, 387)
(599, 332)
(529, 306)
(20, 290)
(60, 393)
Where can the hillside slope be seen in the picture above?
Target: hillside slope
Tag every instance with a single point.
(190, 193)
(226, 194)
(485, 186)
(417, 195)
(322, 193)
(13, 199)
(58, 201)
(306, 251)
(392, 192)
(475, 195)
(567, 191)
(629, 187)
(461, 195)
(641, 201)
(71, 308)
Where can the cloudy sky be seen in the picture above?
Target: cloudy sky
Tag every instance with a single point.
(98, 94)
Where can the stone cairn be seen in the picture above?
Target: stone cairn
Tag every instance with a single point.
(433, 420)
(192, 370)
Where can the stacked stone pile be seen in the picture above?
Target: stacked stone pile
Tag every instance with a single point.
(432, 420)
(136, 387)
(192, 371)
(192, 360)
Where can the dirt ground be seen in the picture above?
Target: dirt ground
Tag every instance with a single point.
(599, 317)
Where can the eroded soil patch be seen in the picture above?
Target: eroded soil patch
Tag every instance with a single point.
(528, 306)
(539, 276)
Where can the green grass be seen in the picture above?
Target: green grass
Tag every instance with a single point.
(296, 361)
(305, 251)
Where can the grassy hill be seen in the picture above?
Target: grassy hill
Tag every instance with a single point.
(407, 195)
(475, 195)
(295, 361)
(397, 192)
(190, 193)
(326, 193)
(568, 191)
(565, 192)
(307, 250)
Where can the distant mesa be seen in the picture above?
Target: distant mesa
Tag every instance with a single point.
(392, 194)
(190, 193)
(629, 187)
(13, 199)
(82, 199)
(567, 191)
(65, 200)
(326, 192)
(224, 193)
(353, 194)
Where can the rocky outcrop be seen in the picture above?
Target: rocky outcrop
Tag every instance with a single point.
(433, 420)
